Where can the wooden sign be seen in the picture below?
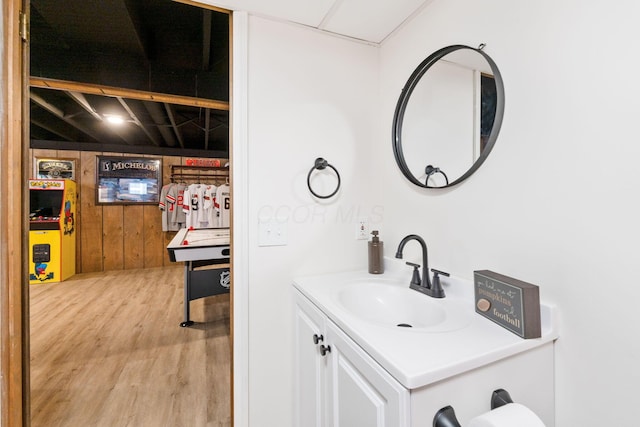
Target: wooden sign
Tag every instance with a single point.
(55, 169)
(511, 303)
(212, 163)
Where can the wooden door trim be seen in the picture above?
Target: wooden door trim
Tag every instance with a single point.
(14, 341)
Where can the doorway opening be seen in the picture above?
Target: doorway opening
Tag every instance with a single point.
(167, 73)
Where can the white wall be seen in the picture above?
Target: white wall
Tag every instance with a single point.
(556, 203)
(309, 95)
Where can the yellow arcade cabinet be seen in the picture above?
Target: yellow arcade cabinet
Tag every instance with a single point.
(52, 238)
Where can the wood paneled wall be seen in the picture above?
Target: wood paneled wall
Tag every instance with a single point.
(113, 237)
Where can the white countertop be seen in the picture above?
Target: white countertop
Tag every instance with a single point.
(416, 357)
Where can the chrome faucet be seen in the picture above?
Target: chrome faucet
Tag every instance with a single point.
(424, 285)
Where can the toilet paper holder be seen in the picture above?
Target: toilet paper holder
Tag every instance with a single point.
(446, 417)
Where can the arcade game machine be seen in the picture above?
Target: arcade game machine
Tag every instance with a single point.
(52, 239)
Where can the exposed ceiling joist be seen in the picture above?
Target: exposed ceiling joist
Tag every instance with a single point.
(172, 120)
(121, 133)
(135, 21)
(60, 114)
(47, 106)
(158, 117)
(207, 122)
(135, 119)
(52, 129)
(82, 101)
(206, 39)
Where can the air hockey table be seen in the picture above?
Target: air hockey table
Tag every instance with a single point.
(205, 253)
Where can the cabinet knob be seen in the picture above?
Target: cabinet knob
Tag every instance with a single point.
(317, 338)
(325, 349)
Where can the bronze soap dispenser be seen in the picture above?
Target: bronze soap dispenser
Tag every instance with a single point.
(376, 261)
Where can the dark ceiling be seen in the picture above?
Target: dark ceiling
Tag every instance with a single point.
(128, 52)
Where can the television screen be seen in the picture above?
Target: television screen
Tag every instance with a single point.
(45, 203)
(128, 180)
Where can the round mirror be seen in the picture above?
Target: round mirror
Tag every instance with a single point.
(447, 120)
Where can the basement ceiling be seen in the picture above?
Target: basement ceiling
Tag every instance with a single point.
(162, 66)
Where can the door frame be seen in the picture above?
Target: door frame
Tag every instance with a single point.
(14, 310)
(240, 221)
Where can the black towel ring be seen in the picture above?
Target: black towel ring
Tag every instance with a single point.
(432, 170)
(320, 164)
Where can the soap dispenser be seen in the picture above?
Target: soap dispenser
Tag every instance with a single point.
(376, 264)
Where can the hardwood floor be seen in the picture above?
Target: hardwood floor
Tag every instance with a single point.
(107, 350)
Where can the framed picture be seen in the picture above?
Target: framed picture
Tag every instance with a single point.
(55, 169)
(128, 180)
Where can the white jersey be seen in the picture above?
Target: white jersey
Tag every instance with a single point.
(201, 216)
(223, 205)
(188, 208)
(162, 204)
(193, 206)
(209, 206)
(173, 200)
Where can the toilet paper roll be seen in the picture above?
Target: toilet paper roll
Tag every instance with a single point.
(510, 415)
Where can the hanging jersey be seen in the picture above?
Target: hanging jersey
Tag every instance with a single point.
(201, 217)
(192, 205)
(175, 217)
(223, 205)
(162, 205)
(174, 205)
(210, 212)
(186, 208)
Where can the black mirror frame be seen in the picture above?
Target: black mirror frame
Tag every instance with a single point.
(398, 116)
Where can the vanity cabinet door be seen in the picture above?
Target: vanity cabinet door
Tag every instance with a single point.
(360, 392)
(336, 384)
(310, 366)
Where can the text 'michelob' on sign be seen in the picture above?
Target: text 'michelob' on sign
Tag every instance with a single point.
(511, 303)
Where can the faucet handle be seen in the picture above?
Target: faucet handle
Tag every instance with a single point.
(436, 272)
(415, 279)
(436, 286)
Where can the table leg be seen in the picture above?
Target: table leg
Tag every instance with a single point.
(187, 295)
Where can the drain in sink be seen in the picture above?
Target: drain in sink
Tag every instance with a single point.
(404, 325)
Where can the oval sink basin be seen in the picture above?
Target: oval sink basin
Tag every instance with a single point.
(390, 305)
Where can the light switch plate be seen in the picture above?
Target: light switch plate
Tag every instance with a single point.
(272, 232)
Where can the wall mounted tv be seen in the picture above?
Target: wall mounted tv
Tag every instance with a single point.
(128, 180)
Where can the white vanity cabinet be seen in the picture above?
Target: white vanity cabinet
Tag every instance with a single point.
(309, 364)
(375, 373)
(336, 383)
